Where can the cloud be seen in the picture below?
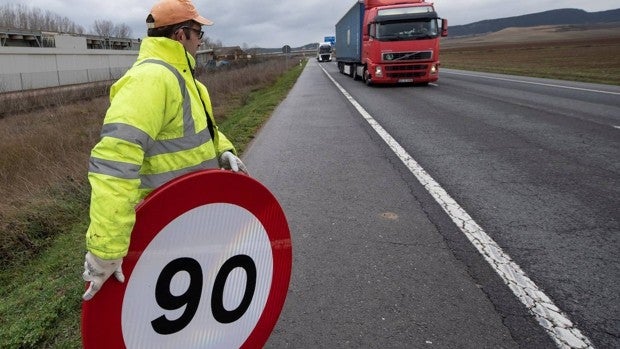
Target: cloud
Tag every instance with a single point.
(275, 23)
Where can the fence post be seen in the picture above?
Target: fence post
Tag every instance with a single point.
(57, 69)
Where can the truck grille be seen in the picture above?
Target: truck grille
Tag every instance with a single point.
(406, 56)
(406, 71)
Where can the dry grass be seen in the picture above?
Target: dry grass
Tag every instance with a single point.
(38, 151)
(575, 53)
(22, 102)
(45, 142)
(45, 146)
(537, 34)
(47, 138)
(229, 88)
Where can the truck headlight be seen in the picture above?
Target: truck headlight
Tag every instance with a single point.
(434, 69)
(378, 71)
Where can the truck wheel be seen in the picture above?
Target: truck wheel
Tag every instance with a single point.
(367, 78)
(341, 68)
(355, 76)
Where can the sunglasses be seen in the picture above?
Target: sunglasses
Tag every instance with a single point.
(197, 31)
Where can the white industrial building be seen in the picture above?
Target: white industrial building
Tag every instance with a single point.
(35, 59)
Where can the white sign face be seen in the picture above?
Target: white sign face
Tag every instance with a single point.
(207, 292)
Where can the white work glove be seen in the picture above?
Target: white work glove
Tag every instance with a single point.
(97, 271)
(230, 161)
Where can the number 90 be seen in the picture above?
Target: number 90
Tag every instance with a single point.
(191, 297)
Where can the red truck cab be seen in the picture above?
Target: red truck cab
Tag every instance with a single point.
(399, 42)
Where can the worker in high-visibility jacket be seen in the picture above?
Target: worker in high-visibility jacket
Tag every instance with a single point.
(159, 126)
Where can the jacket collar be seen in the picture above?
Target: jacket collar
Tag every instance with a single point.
(166, 49)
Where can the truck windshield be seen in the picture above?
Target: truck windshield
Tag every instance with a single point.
(407, 30)
(325, 49)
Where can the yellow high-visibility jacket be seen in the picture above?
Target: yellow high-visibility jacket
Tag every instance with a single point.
(155, 130)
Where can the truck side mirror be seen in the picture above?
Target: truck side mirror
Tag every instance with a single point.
(444, 27)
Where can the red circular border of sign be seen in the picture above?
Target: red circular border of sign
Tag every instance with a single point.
(101, 316)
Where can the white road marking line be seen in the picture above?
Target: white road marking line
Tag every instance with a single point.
(548, 315)
(618, 127)
(533, 83)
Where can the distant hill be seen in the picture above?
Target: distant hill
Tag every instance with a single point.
(553, 17)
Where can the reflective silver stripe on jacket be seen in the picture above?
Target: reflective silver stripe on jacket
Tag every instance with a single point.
(153, 147)
(114, 168)
(155, 180)
(190, 140)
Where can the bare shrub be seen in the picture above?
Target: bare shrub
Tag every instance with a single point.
(40, 152)
(229, 88)
(24, 101)
(46, 146)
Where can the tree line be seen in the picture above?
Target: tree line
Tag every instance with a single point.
(21, 16)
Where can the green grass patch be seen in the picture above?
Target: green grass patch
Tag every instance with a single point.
(40, 305)
(41, 290)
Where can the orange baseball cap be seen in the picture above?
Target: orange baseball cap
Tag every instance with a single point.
(168, 12)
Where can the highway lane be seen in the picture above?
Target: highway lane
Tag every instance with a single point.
(535, 164)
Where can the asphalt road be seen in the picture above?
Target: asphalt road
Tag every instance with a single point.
(377, 261)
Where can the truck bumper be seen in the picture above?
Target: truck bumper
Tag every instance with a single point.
(419, 72)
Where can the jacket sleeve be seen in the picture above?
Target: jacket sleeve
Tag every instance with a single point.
(223, 144)
(135, 115)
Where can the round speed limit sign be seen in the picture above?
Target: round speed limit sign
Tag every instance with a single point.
(208, 267)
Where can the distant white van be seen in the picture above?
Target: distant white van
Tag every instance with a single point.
(324, 52)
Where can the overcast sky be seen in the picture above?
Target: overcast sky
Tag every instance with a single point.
(274, 23)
